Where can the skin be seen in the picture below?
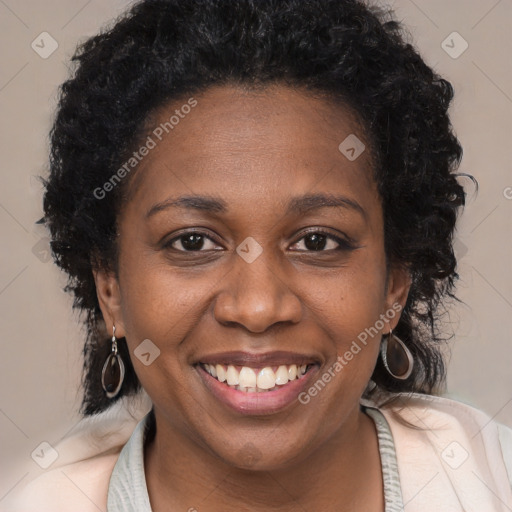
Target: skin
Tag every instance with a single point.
(255, 150)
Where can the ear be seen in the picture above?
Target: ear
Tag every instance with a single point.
(109, 297)
(397, 291)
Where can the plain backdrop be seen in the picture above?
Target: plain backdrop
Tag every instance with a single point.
(41, 339)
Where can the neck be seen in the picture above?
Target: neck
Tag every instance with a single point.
(344, 474)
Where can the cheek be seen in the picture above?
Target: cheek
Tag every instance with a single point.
(360, 305)
(353, 304)
(159, 304)
(161, 307)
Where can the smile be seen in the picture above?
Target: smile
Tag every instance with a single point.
(255, 380)
(257, 384)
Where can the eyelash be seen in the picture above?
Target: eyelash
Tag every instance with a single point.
(344, 245)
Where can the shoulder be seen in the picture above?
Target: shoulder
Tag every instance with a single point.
(437, 410)
(427, 413)
(450, 446)
(76, 487)
(78, 480)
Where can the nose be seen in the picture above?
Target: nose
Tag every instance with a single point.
(256, 296)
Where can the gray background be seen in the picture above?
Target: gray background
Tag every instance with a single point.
(41, 338)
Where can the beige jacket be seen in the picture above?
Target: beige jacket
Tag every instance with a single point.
(457, 459)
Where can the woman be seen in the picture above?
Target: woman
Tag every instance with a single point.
(255, 204)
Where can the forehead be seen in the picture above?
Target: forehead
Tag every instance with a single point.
(240, 142)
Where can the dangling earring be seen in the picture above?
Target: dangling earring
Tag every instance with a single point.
(112, 375)
(397, 358)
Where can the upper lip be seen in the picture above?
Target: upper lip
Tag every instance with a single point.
(275, 358)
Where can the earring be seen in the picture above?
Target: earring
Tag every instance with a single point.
(397, 358)
(112, 375)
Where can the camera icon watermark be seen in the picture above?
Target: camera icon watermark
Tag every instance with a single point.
(249, 249)
(455, 455)
(44, 45)
(352, 147)
(44, 455)
(460, 249)
(41, 250)
(249, 455)
(454, 45)
(147, 352)
(507, 193)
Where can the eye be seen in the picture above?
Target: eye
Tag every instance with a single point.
(313, 241)
(322, 241)
(192, 241)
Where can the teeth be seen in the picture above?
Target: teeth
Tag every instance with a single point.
(254, 381)
(247, 378)
(221, 373)
(266, 378)
(232, 376)
(282, 375)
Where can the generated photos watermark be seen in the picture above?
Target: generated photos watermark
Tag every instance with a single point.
(157, 135)
(355, 348)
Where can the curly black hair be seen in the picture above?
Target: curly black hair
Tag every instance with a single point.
(162, 50)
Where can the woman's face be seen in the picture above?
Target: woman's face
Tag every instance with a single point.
(275, 259)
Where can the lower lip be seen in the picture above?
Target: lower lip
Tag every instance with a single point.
(257, 403)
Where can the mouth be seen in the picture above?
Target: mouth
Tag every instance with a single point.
(256, 380)
(257, 384)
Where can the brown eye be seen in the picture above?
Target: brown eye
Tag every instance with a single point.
(320, 241)
(316, 242)
(192, 242)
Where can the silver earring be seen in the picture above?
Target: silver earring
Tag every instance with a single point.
(397, 358)
(112, 375)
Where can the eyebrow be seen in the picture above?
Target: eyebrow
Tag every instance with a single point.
(297, 205)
